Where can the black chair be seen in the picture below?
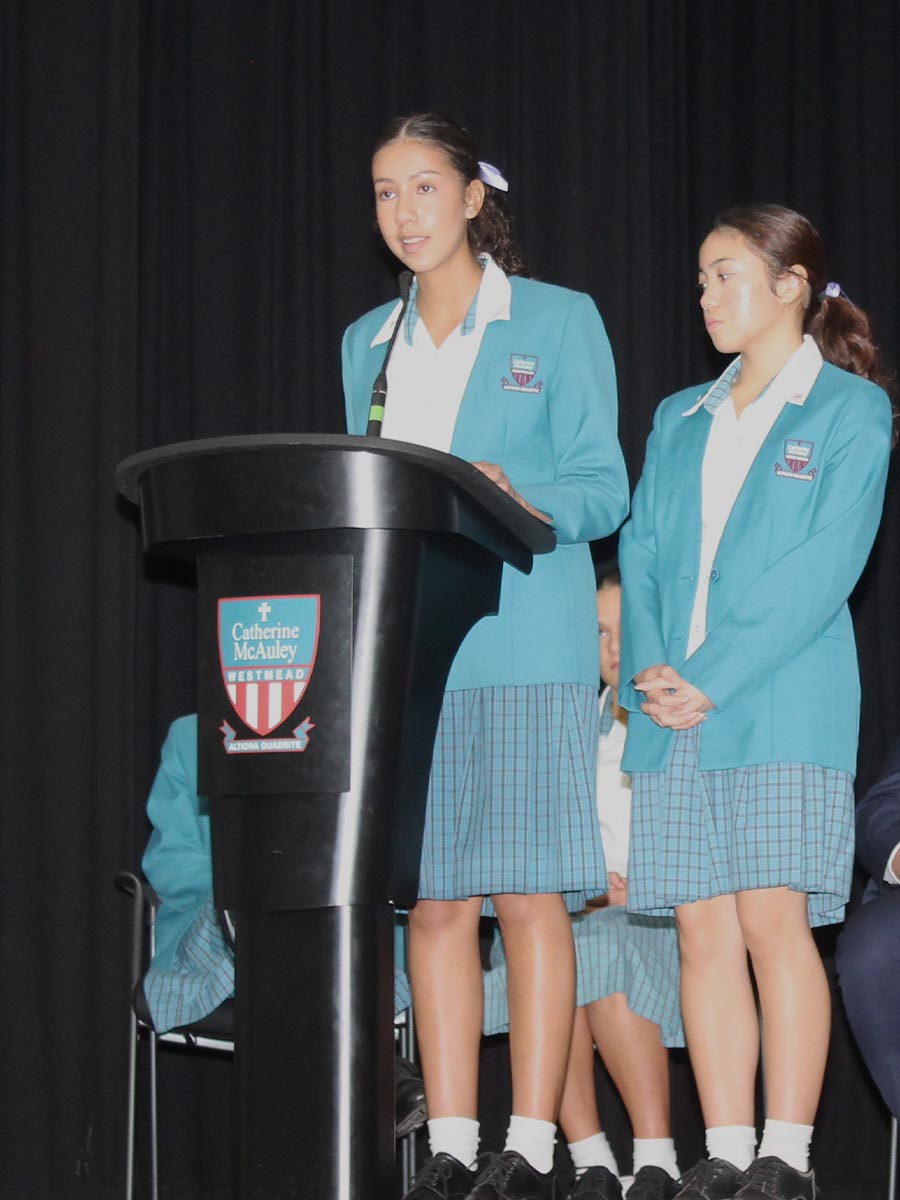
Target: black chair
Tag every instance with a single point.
(215, 1032)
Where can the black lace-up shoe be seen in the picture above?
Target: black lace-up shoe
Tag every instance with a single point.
(771, 1178)
(711, 1179)
(653, 1183)
(443, 1177)
(597, 1183)
(509, 1176)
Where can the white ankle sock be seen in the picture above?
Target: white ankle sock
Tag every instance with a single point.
(787, 1141)
(533, 1139)
(735, 1143)
(458, 1136)
(655, 1152)
(593, 1151)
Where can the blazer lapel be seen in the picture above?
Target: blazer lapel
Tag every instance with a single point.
(478, 409)
(793, 420)
(683, 504)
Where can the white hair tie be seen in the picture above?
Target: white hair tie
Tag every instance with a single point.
(830, 291)
(488, 173)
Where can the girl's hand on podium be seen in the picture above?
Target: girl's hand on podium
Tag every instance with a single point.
(498, 475)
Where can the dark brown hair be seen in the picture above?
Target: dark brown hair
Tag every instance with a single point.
(491, 231)
(607, 574)
(783, 239)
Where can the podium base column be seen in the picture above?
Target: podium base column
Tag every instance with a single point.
(315, 1055)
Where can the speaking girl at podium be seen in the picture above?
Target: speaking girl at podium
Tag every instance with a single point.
(516, 377)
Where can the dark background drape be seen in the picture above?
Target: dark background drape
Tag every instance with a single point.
(186, 228)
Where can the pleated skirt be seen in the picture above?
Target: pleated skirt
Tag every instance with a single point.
(511, 799)
(698, 834)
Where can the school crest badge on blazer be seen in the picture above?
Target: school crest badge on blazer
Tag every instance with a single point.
(523, 368)
(797, 455)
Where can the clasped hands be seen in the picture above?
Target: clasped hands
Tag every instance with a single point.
(498, 475)
(670, 701)
(618, 890)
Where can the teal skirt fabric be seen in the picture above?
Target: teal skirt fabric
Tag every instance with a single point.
(201, 976)
(511, 800)
(698, 834)
(615, 951)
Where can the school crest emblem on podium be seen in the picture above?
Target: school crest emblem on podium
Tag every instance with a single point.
(267, 651)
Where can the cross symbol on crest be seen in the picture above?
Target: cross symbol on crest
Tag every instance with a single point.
(264, 609)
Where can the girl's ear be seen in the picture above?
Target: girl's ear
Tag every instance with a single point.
(473, 198)
(793, 284)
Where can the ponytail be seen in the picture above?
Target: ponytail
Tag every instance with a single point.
(843, 333)
(491, 233)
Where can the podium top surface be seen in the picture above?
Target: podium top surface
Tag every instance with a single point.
(283, 483)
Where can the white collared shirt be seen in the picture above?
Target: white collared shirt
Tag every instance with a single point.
(613, 794)
(425, 383)
(732, 446)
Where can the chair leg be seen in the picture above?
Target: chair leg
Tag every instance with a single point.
(154, 1137)
(408, 1164)
(892, 1173)
(132, 1090)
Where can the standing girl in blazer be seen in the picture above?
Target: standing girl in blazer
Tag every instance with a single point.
(759, 501)
(517, 377)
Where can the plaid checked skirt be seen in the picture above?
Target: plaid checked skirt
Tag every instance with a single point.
(697, 834)
(200, 978)
(615, 951)
(202, 975)
(511, 798)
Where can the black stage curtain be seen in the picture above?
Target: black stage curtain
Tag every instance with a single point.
(186, 229)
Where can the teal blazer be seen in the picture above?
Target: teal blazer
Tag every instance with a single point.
(178, 858)
(779, 660)
(554, 434)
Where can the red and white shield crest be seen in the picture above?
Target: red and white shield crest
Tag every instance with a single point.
(267, 650)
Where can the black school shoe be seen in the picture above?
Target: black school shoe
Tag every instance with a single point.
(409, 1097)
(653, 1183)
(509, 1176)
(771, 1178)
(597, 1183)
(711, 1179)
(443, 1177)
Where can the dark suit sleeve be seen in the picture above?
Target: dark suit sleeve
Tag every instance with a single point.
(878, 818)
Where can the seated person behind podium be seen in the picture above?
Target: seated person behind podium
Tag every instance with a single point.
(192, 971)
(627, 979)
(517, 377)
(868, 955)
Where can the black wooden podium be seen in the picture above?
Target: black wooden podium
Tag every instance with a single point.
(337, 577)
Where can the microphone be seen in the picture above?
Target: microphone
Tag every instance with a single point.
(379, 388)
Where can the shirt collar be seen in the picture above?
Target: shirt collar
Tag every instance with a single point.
(490, 303)
(793, 382)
